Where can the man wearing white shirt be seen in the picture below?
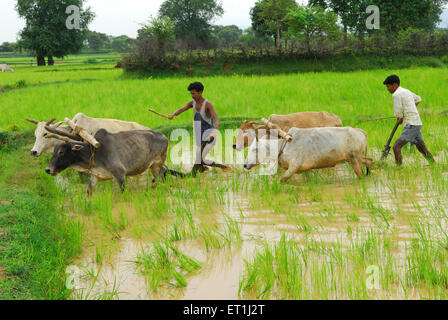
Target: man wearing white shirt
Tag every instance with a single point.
(405, 109)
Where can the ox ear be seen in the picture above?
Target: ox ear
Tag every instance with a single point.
(77, 147)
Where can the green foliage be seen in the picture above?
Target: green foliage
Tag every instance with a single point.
(251, 38)
(308, 22)
(396, 15)
(45, 32)
(7, 47)
(191, 18)
(98, 41)
(226, 36)
(160, 29)
(121, 43)
(269, 16)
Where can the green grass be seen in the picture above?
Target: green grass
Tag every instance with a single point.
(37, 242)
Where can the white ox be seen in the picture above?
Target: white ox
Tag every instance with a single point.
(5, 68)
(314, 148)
(91, 125)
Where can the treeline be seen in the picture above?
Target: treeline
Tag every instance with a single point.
(97, 42)
(284, 29)
(280, 28)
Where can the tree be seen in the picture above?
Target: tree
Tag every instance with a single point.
(98, 41)
(395, 15)
(46, 33)
(269, 16)
(250, 38)
(227, 35)
(121, 43)
(7, 47)
(259, 25)
(160, 29)
(343, 8)
(191, 17)
(308, 22)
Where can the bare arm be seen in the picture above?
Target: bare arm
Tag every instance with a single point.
(209, 107)
(189, 105)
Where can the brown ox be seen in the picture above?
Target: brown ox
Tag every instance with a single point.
(249, 130)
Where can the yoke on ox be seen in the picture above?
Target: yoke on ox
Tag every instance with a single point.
(315, 148)
(111, 155)
(91, 125)
(250, 131)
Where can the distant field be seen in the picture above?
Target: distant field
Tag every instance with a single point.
(20, 61)
(62, 91)
(248, 235)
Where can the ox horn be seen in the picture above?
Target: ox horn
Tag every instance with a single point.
(57, 125)
(63, 134)
(56, 136)
(32, 121)
(51, 121)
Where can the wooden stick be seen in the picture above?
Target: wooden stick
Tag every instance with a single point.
(56, 136)
(281, 133)
(83, 133)
(73, 137)
(159, 114)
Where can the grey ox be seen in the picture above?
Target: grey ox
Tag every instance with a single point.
(314, 148)
(121, 154)
(91, 125)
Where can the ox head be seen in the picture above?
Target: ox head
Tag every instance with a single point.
(263, 151)
(65, 155)
(41, 144)
(246, 135)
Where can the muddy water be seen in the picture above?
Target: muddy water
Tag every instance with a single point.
(221, 269)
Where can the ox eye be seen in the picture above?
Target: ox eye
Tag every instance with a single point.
(60, 153)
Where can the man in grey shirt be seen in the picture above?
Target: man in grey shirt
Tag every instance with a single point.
(405, 109)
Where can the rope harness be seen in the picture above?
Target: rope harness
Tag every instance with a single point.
(92, 157)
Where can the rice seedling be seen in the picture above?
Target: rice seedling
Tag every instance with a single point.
(165, 265)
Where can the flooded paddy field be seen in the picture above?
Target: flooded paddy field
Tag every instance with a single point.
(236, 235)
(240, 235)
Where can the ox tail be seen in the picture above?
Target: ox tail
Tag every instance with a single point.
(368, 163)
(174, 172)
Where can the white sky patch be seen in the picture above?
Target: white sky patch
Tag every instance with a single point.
(118, 17)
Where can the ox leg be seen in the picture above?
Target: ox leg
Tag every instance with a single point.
(356, 165)
(92, 184)
(369, 163)
(120, 176)
(293, 169)
(158, 172)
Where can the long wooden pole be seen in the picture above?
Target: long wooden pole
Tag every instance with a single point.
(159, 114)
